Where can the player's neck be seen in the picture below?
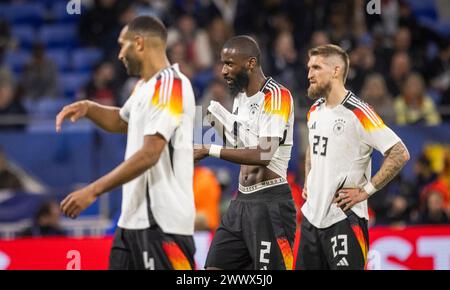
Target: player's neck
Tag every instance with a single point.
(151, 68)
(336, 96)
(255, 83)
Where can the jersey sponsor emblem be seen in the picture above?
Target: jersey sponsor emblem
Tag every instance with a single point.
(254, 108)
(313, 126)
(338, 127)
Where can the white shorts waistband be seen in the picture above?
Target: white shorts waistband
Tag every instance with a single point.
(262, 185)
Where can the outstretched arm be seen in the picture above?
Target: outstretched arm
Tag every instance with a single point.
(106, 117)
(261, 155)
(131, 168)
(394, 160)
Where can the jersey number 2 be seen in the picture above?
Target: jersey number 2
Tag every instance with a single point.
(323, 149)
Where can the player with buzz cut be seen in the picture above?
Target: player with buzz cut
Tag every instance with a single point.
(156, 225)
(343, 131)
(258, 230)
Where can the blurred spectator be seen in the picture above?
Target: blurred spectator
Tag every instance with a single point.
(413, 106)
(12, 112)
(399, 71)
(217, 91)
(6, 40)
(40, 76)
(207, 193)
(184, 31)
(437, 186)
(218, 33)
(438, 75)
(101, 88)
(224, 8)
(285, 65)
(8, 179)
(202, 46)
(178, 54)
(318, 38)
(375, 93)
(46, 222)
(362, 63)
(424, 173)
(99, 26)
(339, 25)
(394, 203)
(434, 211)
(403, 43)
(196, 41)
(397, 214)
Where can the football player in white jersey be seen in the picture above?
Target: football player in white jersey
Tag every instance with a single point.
(343, 131)
(156, 226)
(257, 232)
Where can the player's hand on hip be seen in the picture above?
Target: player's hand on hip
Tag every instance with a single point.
(77, 201)
(346, 198)
(304, 193)
(73, 112)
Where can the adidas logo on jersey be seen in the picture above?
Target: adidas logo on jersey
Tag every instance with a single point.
(343, 262)
(313, 126)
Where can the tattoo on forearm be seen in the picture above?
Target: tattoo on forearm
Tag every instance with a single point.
(394, 161)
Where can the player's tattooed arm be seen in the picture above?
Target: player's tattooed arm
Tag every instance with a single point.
(394, 160)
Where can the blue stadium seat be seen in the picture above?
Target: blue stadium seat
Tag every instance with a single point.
(71, 83)
(443, 29)
(16, 60)
(45, 107)
(20, 206)
(50, 3)
(60, 57)
(423, 9)
(25, 34)
(84, 59)
(25, 13)
(59, 35)
(4, 10)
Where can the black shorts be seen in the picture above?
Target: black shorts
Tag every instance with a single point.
(151, 249)
(257, 232)
(342, 246)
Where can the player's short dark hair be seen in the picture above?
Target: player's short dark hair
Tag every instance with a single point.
(245, 45)
(332, 50)
(148, 25)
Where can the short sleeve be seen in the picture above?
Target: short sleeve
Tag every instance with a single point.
(124, 112)
(373, 130)
(275, 113)
(166, 107)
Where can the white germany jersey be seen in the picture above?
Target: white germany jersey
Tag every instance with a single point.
(164, 104)
(341, 141)
(269, 113)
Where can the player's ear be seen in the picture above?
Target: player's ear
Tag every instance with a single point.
(337, 72)
(252, 62)
(139, 42)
